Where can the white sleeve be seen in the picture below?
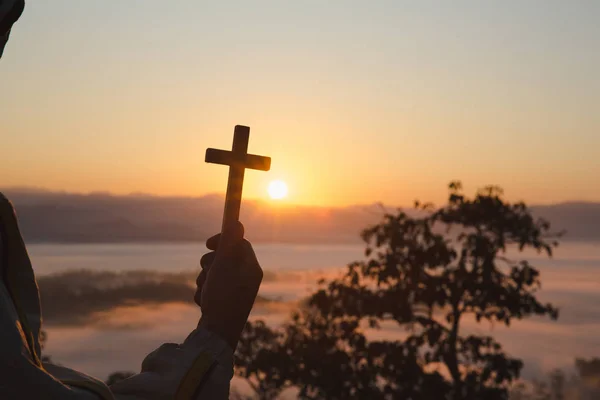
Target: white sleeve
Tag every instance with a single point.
(216, 384)
(199, 368)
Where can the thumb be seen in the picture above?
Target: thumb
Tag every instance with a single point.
(234, 232)
(230, 239)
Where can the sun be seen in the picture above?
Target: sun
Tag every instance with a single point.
(277, 190)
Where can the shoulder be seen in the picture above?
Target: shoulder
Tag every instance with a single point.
(10, 11)
(6, 207)
(3, 198)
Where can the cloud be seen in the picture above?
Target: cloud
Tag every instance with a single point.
(80, 298)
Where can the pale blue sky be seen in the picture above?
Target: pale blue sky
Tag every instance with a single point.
(356, 101)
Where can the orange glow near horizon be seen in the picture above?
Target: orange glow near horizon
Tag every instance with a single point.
(372, 102)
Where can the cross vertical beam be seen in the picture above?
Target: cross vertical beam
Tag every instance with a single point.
(235, 183)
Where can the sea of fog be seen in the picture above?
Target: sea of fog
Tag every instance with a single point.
(571, 279)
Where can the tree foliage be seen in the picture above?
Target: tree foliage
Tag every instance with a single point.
(426, 275)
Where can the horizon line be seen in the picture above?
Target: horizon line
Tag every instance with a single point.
(108, 193)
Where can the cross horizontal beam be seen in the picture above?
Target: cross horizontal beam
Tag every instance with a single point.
(251, 161)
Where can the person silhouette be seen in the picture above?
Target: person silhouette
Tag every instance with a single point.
(201, 367)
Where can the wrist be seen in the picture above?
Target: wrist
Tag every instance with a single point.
(231, 338)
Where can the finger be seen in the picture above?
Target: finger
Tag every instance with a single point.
(201, 279)
(207, 260)
(231, 236)
(213, 242)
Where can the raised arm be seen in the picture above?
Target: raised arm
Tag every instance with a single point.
(202, 366)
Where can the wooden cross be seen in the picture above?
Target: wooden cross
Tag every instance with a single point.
(238, 160)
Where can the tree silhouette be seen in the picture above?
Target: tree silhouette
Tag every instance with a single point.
(426, 276)
(258, 355)
(589, 370)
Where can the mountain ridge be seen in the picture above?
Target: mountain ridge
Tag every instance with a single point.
(101, 217)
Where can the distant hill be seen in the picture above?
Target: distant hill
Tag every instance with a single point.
(101, 217)
(581, 220)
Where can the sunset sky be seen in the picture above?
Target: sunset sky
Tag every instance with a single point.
(355, 101)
